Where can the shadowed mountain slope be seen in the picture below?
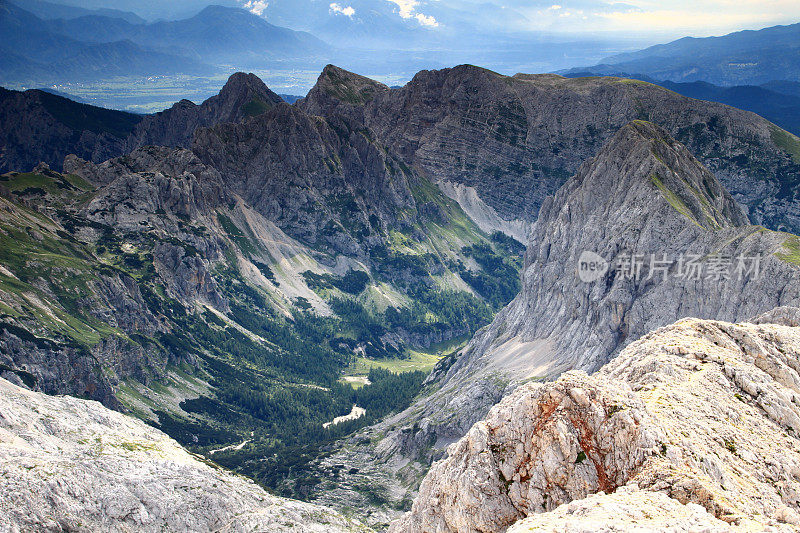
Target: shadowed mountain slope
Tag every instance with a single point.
(515, 140)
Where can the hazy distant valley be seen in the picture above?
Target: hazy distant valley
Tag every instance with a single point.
(112, 59)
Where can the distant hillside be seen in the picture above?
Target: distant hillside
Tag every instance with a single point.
(33, 52)
(63, 95)
(40, 126)
(290, 98)
(774, 101)
(782, 109)
(217, 33)
(50, 11)
(45, 127)
(784, 87)
(90, 45)
(740, 58)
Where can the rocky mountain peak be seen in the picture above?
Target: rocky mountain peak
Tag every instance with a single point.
(335, 83)
(649, 163)
(465, 72)
(244, 95)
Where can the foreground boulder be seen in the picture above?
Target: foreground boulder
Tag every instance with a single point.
(628, 509)
(73, 465)
(701, 412)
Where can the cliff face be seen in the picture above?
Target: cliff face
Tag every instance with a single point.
(700, 412)
(156, 191)
(517, 139)
(643, 195)
(317, 182)
(643, 199)
(74, 465)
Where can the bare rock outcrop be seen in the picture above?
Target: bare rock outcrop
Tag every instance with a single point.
(627, 509)
(73, 465)
(544, 446)
(159, 190)
(324, 184)
(703, 412)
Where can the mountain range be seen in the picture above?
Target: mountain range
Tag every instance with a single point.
(740, 58)
(32, 51)
(219, 270)
(516, 139)
(643, 195)
(98, 52)
(103, 45)
(52, 11)
(281, 239)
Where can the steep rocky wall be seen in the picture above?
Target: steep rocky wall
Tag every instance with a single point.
(517, 139)
(704, 412)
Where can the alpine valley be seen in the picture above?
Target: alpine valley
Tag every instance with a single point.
(370, 301)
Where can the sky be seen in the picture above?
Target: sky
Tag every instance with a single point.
(690, 17)
(671, 18)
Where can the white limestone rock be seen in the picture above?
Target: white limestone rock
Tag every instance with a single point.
(73, 465)
(628, 509)
(703, 412)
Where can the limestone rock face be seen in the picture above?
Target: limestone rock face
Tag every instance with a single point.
(158, 189)
(702, 412)
(311, 178)
(74, 465)
(549, 445)
(517, 139)
(643, 194)
(155, 208)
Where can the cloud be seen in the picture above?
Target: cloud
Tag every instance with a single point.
(346, 11)
(407, 9)
(426, 20)
(256, 7)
